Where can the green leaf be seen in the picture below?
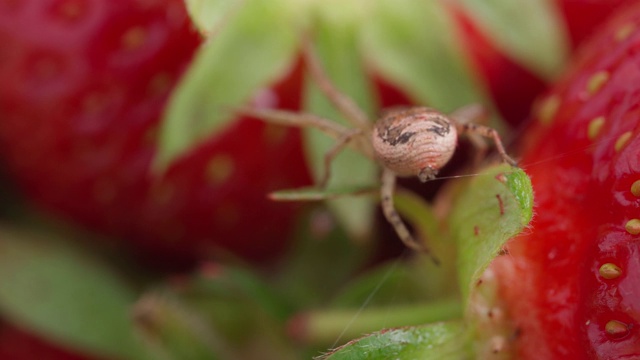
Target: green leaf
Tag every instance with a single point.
(224, 310)
(532, 32)
(251, 51)
(412, 45)
(237, 283)
(438, 278)
(65, 294)
(317, 267)
(174, 331)
(388, 284)
(495, 206)
(441, 341)
(210, 15)
(415, 209)
(336, 43)
(316, 194)
(325, 326)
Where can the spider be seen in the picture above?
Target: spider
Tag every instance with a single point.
(405, 142)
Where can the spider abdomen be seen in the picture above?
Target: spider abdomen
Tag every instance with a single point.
(414, 141)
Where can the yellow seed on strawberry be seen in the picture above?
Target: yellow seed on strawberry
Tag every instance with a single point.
(622, 140)
(610, 271)
(615, 328)
(596, 81)
(624, 32)
(594, 127)
(548, 109)
(633, 226)
(635, 188)
(133, 38)
(160, 84)
(219, 169)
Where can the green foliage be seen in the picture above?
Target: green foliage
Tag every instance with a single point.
(225, 75)
(65, 294)
(337, 47)
(412, 45)
(516, 25)
(488, 210)
(442, 341)
(493, 207)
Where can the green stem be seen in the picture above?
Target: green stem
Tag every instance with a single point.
(328, 326)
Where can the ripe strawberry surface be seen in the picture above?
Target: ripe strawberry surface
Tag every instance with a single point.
(583, 16)
(84, 86)
(511, 85)
(16, 344)
(572, 282)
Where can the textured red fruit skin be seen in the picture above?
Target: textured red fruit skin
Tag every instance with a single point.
(84, 84)
(16, 344)
(559, 302)
(512, 86)
(229, 209)
(582, 17)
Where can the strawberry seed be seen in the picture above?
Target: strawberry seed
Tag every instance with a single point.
(610, 271)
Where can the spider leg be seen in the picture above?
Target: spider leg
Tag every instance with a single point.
(388, 208)
(491, 133)
(473, 113)
(342, 102)
(466, 119)
(301, 120)
(476, 113)
(344, 135)
(340, 144)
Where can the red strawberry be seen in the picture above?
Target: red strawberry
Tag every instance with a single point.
(512, 86)
(583, 16)
(572, 282)
(16, 344)
(83, 87)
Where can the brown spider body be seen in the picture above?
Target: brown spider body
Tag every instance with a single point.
(414, 142)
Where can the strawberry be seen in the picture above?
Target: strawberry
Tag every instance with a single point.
(511, 85)
(16, 344)
(571, 281)
(84, 86)
(583, 16)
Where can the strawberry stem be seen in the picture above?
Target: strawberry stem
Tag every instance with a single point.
(336, 326)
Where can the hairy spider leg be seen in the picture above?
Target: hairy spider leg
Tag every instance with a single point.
(296, 119)
(343, 135)
(340, 144)
(478, 114)
(347, 107)
(391, 214)
(470, 120)
(490, 133)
